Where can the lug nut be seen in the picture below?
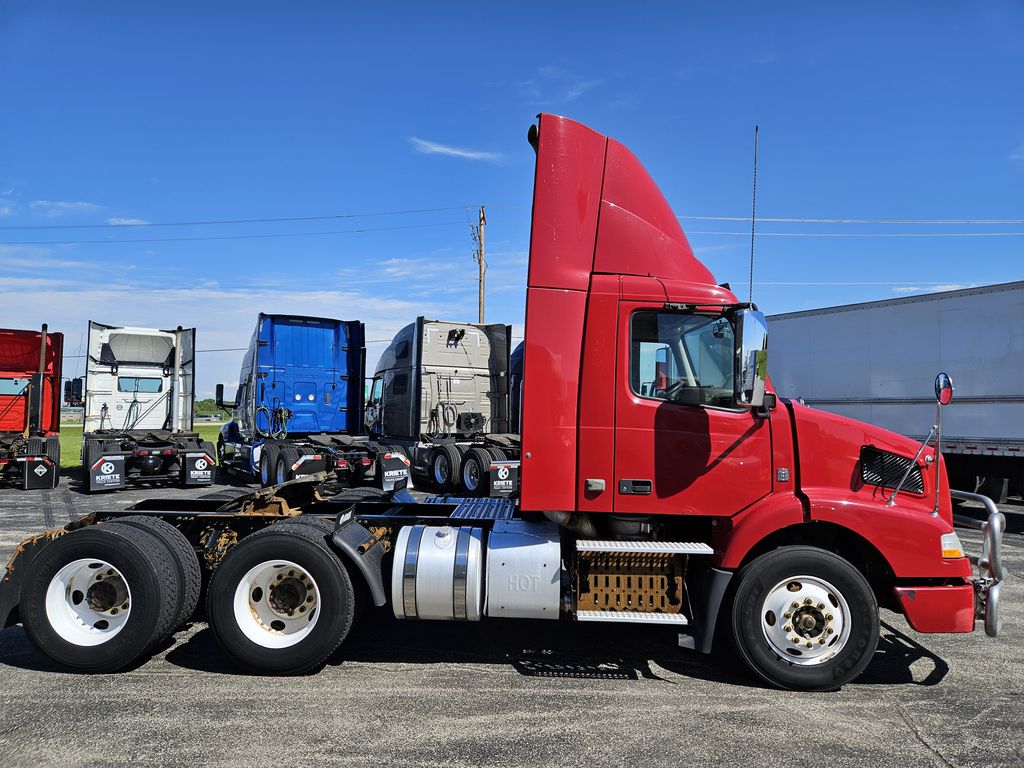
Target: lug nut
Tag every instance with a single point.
(808, 601)
(796, 605)
(113, 611)
(124, 606)
(828, 617)
(110, 573)
(821, 606)
(809, 644)
(787, 628)
(795, 640)
(309, 599)
(830, 630)
(291, 573)
(302, 609)
(788, 614)
(280, 576)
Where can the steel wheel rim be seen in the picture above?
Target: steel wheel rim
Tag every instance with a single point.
(264, 470)
(282, 472)
(805, 620)
(441, 469)
(88, 602)
(276, 604)
(471, 475)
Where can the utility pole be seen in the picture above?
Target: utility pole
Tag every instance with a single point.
(480, 260)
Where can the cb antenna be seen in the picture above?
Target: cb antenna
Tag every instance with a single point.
(753, 223)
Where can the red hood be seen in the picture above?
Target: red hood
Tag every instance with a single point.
(829, 449)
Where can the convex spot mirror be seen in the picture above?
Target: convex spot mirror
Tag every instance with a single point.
(751, 358)
(943, 388)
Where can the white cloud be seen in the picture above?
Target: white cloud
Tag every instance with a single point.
(53, 209)
(933, 288)
(119, 222)
(6, 208)
(1018, 153)
(224, 318)
(554, 84)
(433, 148)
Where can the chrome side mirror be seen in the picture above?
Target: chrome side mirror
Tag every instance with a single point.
(751, 374)
(943, 389)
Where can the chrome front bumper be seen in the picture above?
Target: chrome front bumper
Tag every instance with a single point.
(989, 581)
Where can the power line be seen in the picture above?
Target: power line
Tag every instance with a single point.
(859, 234)
(204, 222)
(781, 220)
(228, 237)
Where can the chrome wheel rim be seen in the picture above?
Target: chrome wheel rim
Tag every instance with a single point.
(805, 620)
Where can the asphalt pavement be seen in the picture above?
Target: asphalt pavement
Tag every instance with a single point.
(508, 693)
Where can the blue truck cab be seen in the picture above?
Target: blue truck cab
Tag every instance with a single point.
(299, 406)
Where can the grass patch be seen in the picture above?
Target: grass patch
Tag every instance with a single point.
(71, 442)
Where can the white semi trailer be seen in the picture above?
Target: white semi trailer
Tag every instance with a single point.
(870, 362)
(139, 394)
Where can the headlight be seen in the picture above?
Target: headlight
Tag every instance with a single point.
(951, 546)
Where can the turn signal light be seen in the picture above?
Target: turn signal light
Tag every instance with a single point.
(341, 464)
(951, 546)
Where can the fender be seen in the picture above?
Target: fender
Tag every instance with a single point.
(365, 552)
(733, 537)
(907, 537)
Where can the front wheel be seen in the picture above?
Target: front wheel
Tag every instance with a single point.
(804, 619)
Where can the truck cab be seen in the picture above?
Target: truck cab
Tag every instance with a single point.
(139, 396)
(298, 409)
(30, 366)
(441, 392)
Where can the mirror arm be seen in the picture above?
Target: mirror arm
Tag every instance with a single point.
(903, 480)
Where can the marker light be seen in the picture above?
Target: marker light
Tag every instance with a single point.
(951, 546)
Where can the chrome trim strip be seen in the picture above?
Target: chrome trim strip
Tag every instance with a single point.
(412, 554)
(459, 578)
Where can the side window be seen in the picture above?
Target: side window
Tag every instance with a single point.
(682, 358)
(376, 391)
(402, 350)
(400, 384)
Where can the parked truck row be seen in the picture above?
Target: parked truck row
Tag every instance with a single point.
(664, 481)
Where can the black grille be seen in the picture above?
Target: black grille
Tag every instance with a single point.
(886, 469)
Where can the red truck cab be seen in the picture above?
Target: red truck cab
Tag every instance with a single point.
(30, 366)
(631, 423)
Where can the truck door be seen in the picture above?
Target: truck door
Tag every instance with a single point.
(681, 447)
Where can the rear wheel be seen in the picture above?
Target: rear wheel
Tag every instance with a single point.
(804, 619)
(286, 458)
(96, 599)
(184, 554)
(281, 601)
(475, 464)
(445, 463)
(268, 464)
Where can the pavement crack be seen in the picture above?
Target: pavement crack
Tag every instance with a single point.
(917, 735)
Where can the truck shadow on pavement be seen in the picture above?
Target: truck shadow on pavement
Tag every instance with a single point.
(565, 650)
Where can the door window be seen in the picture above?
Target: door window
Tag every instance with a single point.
(682, 358)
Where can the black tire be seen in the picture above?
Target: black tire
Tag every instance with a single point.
(361, 494)
(498, 453)
(765, 579)
(184, 555)
(90, 455)
(445, 466)
(305, 546)
(473, 475)
(268, 464)
(286, 458)
(149, 572)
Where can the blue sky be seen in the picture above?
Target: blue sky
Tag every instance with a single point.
(117, 112)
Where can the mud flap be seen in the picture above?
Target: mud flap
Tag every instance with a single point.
(107, 473)
(503, 477)
(38, 472)
(392, 471)
(196, 468)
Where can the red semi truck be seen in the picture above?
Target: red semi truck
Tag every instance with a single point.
(663, 483)
(30, 363)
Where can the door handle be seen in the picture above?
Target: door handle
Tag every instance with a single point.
(635, 487)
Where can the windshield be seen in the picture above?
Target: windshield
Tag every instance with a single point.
(138, 384)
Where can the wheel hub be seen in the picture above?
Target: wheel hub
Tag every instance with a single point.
(805, 620)
(88, 601)
(276, 604)
(289, 594)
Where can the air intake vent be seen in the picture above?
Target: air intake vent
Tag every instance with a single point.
(885, 470)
